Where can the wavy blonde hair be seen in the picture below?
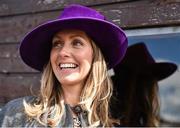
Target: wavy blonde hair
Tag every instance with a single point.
(94, 98)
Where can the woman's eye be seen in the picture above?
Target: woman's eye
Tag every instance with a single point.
(77, 43)
(57, 44)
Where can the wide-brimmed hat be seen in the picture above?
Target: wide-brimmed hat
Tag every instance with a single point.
(36, 45)
(138, 58)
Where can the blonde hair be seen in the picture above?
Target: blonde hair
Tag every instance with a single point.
(94, 98)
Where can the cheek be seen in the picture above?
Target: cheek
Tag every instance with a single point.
(88, 56)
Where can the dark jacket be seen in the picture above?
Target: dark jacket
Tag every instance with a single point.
(13, 115)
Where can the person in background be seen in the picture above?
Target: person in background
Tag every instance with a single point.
(73, 52)
(135, 99)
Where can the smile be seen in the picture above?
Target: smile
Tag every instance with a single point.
(68, 65)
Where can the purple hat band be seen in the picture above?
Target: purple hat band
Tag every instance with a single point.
(36, 46)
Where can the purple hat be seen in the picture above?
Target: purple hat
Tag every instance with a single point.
(36, 45)
(138, 58)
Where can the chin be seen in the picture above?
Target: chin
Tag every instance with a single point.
(69, 81)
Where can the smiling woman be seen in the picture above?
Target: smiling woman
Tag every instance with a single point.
(71, 57)
(73, 53)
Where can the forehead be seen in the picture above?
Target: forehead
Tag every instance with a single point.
(72, 32)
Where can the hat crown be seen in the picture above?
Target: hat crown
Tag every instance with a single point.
(78, 11)
(138, 55)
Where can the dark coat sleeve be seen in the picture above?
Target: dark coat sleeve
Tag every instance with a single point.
(13, 115)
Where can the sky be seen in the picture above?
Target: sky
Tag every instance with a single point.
(161, 46)
(165, 48)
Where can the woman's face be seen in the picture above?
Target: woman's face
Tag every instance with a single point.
(71, 56)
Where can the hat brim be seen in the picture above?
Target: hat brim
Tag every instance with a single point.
(161, 70)
(36, 45)
(158, 71)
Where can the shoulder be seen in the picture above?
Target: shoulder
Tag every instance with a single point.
(17, 104)
(13, 111)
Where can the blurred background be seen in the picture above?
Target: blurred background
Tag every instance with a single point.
(154, 22)
(164, 46)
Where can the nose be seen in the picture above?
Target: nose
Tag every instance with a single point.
(64, 51)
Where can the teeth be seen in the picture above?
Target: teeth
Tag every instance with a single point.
(68, 65)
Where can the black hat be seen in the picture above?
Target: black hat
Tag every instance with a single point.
(138, 58)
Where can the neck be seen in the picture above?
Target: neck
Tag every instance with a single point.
(72, 94)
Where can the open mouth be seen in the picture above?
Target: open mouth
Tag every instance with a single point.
(68, 66)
